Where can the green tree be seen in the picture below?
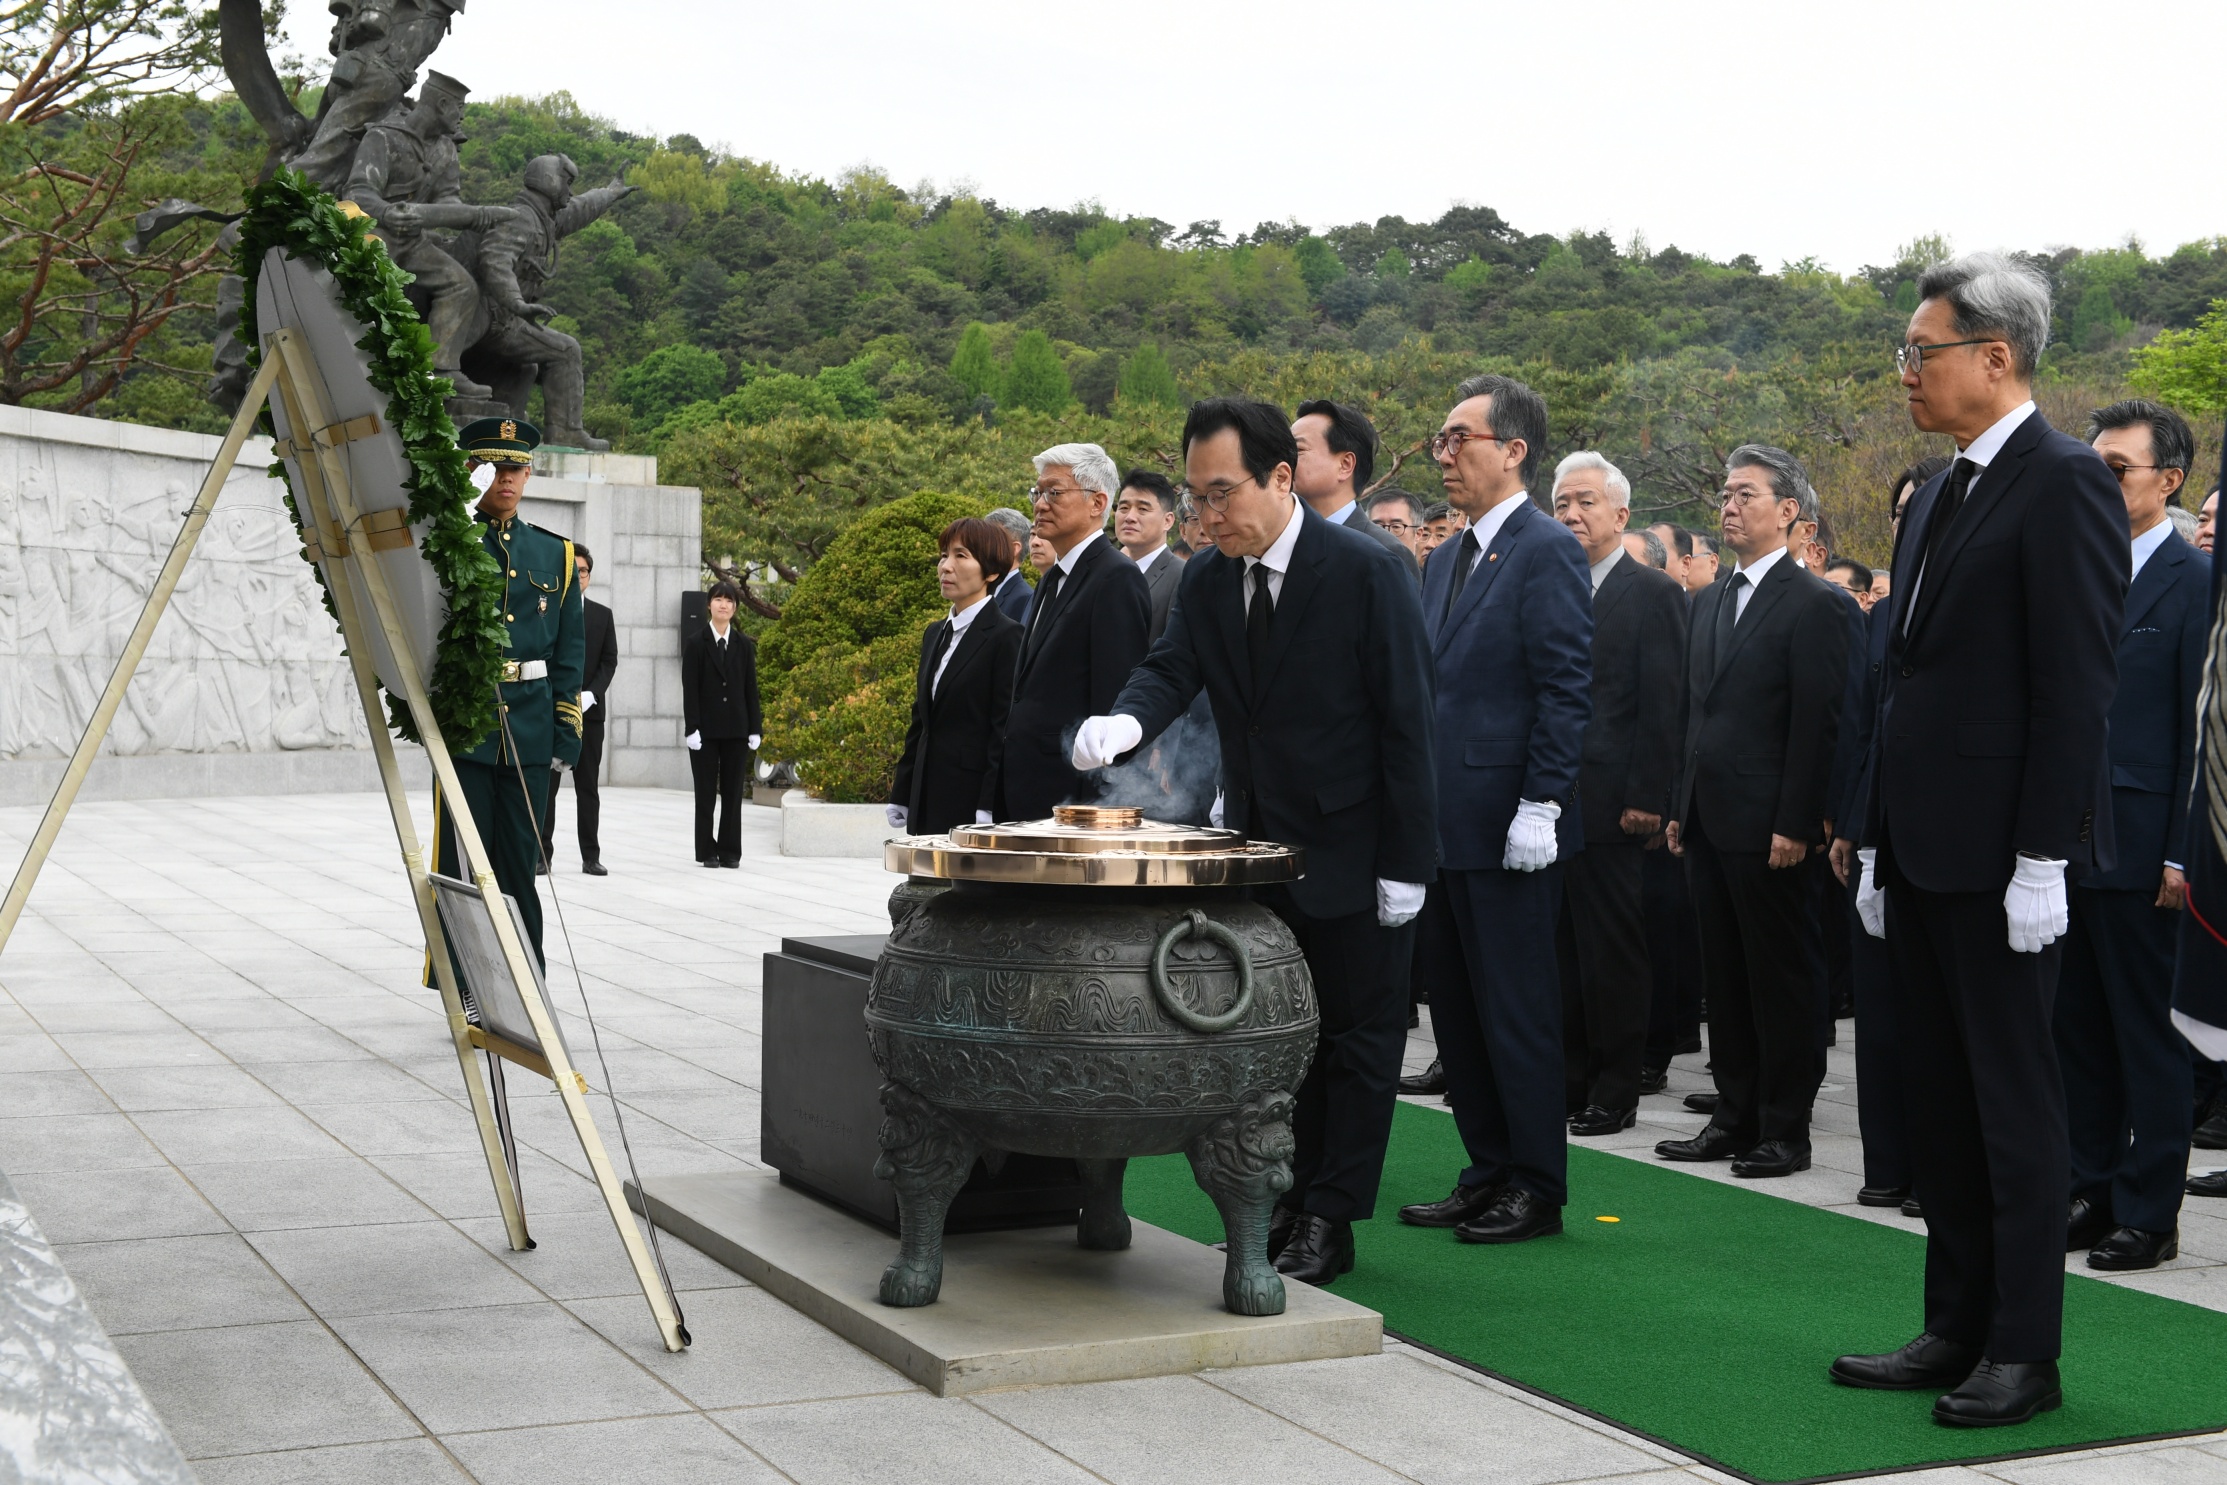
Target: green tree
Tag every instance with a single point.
(785, 394)
(847, 384)
(2187, 368)
(2097, 322)
(974, 366)
(669, 379)
(1037, 380)
(1318, 264)
(1147, 377)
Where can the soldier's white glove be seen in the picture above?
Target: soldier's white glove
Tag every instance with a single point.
(483, 477)
(1531, 836)
(754, 740)
(694, 740)
(558, 765)
(984, 817)
(2035, 905)
(1397, 902)
(1100, 740)
(896, 814)
(1871, 898)
(587, 699)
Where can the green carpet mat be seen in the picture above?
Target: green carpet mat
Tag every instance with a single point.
(1705, 1316)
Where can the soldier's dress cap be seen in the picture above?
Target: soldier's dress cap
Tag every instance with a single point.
(500, 440)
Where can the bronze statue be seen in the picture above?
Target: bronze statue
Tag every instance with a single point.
(378, 47)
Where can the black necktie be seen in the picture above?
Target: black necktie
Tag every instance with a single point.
(1464, 560)
(935, 661)
(1257, 615)
(1729, 615)
(1961, 475)
(1053, 581)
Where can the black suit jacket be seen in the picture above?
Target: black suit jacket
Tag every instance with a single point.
(603, 659)
(2153, 714)
(1076, 651)
(1995, 691)
(1333, 752)
(1358, 520)
(1759, 727)
(1860, 728)
(1851, 737)
(1160, 580)
(1013, 595)
(952, 745)
(1630, 757)
(719, 689)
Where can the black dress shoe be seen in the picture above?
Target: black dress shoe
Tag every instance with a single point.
(594, 869)
(542, 869)
(2212, 1133)
(2214, 1184)
(1281, 1220)
(710, 861)
(731, 862)
(1653, 1079)
(2130, 1248)
(1516, 1217)
(1926, 1362)
(1458, 1207)
(2000, 1393)
(1911, 1208)
(1319, 1250)
(1431, 1079)
(1882, 1196)
(1702, 1103)
(1771, 1158)
(1712, 1143)
(1595, 1120)
(2089, 1224)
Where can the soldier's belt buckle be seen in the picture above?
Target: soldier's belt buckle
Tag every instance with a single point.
(524, 670)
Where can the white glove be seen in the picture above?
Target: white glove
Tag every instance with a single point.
(1397, 902)
(1531, 836)
(984, 817)
(482, 477)
(754, 739)
(1871, 898)
(1100, 740)
(587, 699)
(694, 740)
(2036, 906)
(1214, 811)
(895, 814)
(558, 765)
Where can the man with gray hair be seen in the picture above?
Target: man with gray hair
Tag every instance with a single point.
(1013, 591)
(1629, 758)
(1086, 631)
(1766, 670)
(1988, 786)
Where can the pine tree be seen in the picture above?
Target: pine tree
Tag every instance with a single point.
(1146, 377)
(973, 366)
(1037, 380)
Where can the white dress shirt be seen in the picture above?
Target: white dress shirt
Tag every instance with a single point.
(1600, 569)
(1067, 562)
(1981, 451)
(1339, 516)
(2146, 545)
(1277, 559)
(1753, 571)
(960, 619)
(1487, 526)
(1144, 563)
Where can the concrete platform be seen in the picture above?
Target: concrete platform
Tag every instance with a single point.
(1018, 1309)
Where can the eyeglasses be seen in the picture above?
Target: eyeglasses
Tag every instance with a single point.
(1397, 528)
(1046, 494)
(1216, 499)
(1909, 360)
(1448, 444)
(2119, 472)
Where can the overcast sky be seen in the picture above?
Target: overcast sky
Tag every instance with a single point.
(1723, 126)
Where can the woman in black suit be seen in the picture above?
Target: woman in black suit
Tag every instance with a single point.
(944, 777)
(721, 719)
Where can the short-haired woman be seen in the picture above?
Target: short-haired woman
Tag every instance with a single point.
(720, 720)
(944, 776)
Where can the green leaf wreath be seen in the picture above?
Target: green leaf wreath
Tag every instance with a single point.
(292, 214)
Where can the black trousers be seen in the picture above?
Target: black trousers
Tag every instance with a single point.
(507, 815)
(719, 767)
(1880, 1114)
(1760, 963)
(1502, 1042)
(2128, 1080)
(587, 801)
(1601, 948)
(1673, 953)
(1989, 1152)
(1344, 1119)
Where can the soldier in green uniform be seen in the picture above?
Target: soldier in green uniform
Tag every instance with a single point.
(505, 778)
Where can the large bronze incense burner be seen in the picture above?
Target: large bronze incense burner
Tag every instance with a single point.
(1096, 986)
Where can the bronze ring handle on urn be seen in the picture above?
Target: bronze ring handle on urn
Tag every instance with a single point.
(1196, 924)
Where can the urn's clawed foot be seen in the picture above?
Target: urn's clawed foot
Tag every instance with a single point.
(1252, 1288)
(926, 1159)
(1103, 1226)
(1244, 1163)
(908, 1284)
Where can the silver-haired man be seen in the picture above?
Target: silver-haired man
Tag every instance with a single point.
(1086, 631)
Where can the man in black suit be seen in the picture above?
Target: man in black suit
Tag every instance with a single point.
(1624, 778)
(1510, 610)
(1013, 592)
(2128, 1081)
(1337, 454)
(1989, 784)
(1766, 671)
(1307, 641)
(603, 662)
(1086, 632)
(1144, 514)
